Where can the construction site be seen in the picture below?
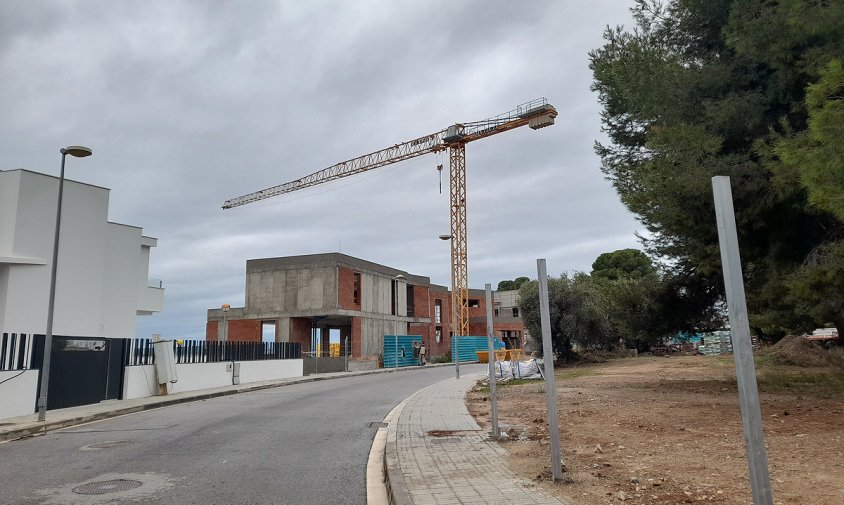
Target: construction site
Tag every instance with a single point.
(304, 299)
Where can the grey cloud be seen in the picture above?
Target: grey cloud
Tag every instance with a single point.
(187, 104)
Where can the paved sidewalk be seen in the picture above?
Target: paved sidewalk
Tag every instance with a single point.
(436, 454)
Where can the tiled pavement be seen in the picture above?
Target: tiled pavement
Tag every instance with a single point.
(436, 454)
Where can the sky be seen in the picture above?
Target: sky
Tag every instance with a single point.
(187, 104)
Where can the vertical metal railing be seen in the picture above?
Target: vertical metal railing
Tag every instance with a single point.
(140, 351)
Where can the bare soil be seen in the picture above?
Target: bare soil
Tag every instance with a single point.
(666, 430)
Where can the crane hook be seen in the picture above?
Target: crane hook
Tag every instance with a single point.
(440, 170)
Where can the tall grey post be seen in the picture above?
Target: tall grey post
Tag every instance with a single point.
(550, 379)
(78, 152)
(751, 416)
(491, 347)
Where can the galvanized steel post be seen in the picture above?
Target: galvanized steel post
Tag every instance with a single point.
(491, 347)
(751, 415)
(550, 379)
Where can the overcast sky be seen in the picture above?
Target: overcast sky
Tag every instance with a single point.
(187, 104)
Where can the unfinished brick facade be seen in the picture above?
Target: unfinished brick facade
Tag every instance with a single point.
(325, 293)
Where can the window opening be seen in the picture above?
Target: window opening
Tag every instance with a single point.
(410, 311)
(356, 288)
(267, 331)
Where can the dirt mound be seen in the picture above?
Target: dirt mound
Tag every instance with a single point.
(796, 350)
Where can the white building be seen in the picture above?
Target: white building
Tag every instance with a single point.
(102, 270)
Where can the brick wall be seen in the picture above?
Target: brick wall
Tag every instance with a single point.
(239, 330)
(244, 330)
(444, 345)
(421, 301)
(480, 310)
(300, 332)
(211, 329)
(346, 289)
(356, 331)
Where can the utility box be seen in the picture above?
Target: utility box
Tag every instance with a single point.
(165, 362)
(235, 373)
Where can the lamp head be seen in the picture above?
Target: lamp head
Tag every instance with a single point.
(400, 277)
(445, 237)
(77, 151)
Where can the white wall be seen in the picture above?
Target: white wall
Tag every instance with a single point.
(17, 396)
(140, 381)
(99, 265)
(257, 371)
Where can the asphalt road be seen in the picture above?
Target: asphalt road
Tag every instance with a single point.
(301, 444)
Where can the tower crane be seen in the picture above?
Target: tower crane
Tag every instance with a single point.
(537, 114)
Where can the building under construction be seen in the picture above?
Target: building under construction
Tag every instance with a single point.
(306, 298)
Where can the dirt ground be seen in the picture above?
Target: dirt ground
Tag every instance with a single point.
(665, 430)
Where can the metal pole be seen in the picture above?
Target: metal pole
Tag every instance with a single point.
(396, 328)
(550, 379)
(491, 347)
(51, 304)
(454, 316)
(751, 415)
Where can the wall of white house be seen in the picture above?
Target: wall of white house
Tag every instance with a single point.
(17, 393)
(102, 266)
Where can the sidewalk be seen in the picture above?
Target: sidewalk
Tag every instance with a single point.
(436, 454)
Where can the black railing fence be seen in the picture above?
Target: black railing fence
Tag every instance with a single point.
(141, 351)
(16, 350)
(20, 351)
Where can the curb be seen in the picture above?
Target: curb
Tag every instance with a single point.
(42, 428)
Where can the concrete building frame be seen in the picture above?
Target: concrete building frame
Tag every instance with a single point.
(310, 295)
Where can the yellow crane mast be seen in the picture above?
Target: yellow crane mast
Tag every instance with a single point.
(536, 114)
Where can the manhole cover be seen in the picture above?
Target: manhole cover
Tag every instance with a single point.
(110, 444)
(377, 425)
(107, 486)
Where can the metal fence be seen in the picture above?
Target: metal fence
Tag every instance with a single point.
(16, 350)
(140, 351)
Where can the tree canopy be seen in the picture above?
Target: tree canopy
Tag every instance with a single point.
(623, 263)
(743, 88)
(512, 285)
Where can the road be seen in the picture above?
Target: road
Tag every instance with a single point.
(300, 444)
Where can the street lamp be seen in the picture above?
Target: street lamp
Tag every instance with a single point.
(453, 310)
(397, 278)
(78, 152)
(225, 308)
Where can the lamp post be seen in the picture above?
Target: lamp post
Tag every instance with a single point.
(397, 278)
(78, 152)
(225, 308)
(453, 310)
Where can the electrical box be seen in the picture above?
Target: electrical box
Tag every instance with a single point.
(165, 361)
(235, 373)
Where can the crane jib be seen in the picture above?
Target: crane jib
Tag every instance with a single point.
(536, 113)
